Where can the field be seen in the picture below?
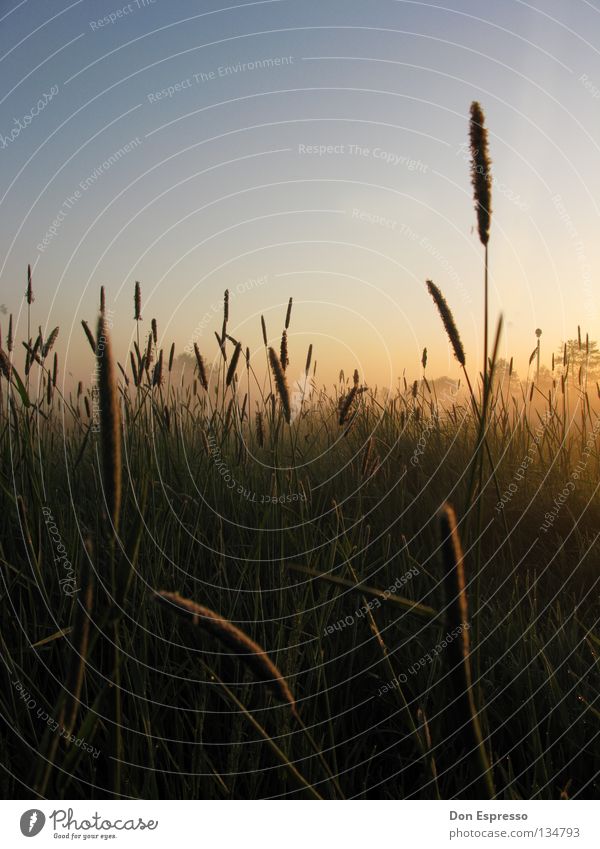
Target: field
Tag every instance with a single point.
(310, 519)
(219, 582)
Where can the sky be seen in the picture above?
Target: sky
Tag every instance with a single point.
(293, 148)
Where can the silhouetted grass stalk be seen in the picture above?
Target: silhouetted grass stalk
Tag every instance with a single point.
(462, 712)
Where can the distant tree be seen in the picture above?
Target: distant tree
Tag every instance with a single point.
(186, 363)
(579, 356)
(505, 379)
(184, 360)
(544, 378)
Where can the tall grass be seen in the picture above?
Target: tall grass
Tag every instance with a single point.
(309, 518)
(279, 561)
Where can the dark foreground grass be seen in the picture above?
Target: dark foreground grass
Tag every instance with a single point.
(320, 541)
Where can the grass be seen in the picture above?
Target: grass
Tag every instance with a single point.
(322, 544)
(397, 592)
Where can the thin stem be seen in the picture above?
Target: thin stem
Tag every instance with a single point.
(485, 319)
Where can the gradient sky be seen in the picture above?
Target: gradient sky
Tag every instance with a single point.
(220, 190)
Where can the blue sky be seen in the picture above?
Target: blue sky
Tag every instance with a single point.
(328, 164)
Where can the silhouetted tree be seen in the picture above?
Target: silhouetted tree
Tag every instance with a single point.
(579, 357)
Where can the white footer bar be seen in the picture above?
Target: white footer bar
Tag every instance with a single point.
(302, 824)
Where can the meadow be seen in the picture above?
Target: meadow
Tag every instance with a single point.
(222, 583)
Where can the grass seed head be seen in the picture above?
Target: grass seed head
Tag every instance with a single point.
(137, 302)
(89, 335)
(448, 322)
(201, 368)
(481, 174)
(225, 307)
(283, 356)
(158, 369)
(260, 430)
(281, 384)
(149, 351)
(5, 365)
(264, 329)
(345, 406)
(134, 369)
(29, 290)
(233, 364)
(238, 642)
(110, 423)
(49, 343)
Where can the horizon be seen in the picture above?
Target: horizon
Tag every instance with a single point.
(204, 331)
(341, 197)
